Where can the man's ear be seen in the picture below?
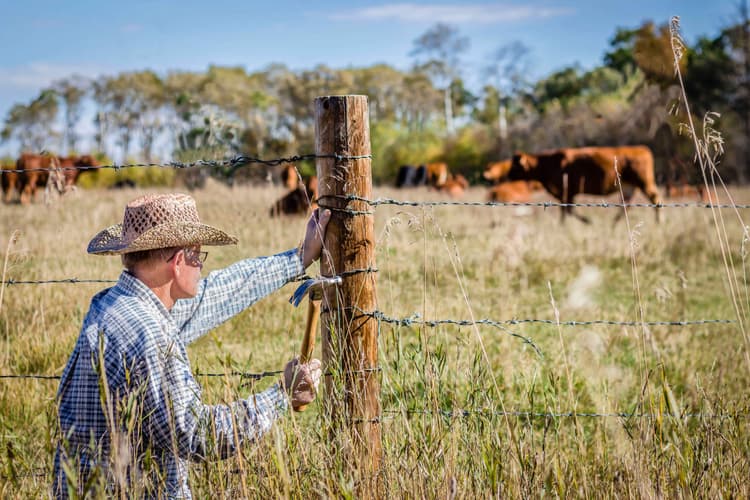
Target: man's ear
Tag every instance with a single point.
(176, 263)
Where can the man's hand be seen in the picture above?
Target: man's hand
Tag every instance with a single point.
(314, 236)
(301, 381)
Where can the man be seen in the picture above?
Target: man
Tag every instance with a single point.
(131, 414)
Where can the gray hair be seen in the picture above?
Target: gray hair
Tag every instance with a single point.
(131, 259)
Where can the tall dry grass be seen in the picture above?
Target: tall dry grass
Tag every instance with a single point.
(443, 387)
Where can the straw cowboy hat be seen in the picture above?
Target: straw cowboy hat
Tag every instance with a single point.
(158, 221)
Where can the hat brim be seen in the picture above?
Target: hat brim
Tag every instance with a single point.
(173, 234)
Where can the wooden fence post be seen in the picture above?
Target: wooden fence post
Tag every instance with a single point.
(350, 338)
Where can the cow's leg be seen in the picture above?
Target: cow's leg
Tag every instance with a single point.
(580, 217)
(653, 195)
(575, 214)
(25, 193)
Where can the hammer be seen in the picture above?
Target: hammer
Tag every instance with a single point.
(313, 288)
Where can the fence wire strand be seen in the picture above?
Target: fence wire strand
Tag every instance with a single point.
(416, 319)
(571, 414)
(231, 163)
(543, 204)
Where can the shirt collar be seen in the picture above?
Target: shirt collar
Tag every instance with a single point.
(130, 285)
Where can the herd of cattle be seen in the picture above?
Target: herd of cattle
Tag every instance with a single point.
(33, 171)
(563, 173)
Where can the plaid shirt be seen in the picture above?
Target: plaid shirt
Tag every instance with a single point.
(129, 376)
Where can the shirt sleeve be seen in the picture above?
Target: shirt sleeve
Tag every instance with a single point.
(177, 421)
(226, 292)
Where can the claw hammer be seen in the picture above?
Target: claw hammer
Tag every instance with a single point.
(313, 288)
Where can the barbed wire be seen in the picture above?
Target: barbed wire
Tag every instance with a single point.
(416, 318)
(232, 163)
(244, 375)
(233, 373)
(543, 204)
(571, 414)
(13, 281)
(457, 412)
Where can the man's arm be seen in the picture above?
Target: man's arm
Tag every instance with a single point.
(226, 292)
(177, 421)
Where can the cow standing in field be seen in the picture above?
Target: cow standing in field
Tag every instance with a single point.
(33, 172)
(568, 172)
(72, 166)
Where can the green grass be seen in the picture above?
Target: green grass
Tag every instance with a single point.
(441, 263)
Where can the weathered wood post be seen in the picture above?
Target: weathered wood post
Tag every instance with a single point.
(350, 338)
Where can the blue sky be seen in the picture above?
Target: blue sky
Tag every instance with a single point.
(44, 40)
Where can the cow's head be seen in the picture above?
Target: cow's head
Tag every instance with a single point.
(289, 176)
(520, 166)
(86, 161)
(496, 171)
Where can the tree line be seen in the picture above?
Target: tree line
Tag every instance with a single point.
(425, 113)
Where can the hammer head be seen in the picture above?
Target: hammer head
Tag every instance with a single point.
(314, 288)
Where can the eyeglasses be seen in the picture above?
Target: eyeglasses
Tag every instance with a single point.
(192, 257)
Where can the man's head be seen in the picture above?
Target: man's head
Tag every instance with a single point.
(162, 232)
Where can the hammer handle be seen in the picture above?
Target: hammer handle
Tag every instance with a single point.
(308, 342)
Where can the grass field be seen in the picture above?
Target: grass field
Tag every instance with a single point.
(682, 389)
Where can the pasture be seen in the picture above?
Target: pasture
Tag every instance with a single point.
(627, 410)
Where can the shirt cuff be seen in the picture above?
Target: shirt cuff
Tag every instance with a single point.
(277, 398)
(295, 259)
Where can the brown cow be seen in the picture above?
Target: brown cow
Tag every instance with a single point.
(71, 174)
(568, 172)
(298, 201)
(33, 172)
(437, 174)
(455, 186)
(514, 191)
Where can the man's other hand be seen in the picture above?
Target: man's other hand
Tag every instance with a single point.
(314, 236)
(301, 381)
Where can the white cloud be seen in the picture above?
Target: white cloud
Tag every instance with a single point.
(37, 75)
(456, 14)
